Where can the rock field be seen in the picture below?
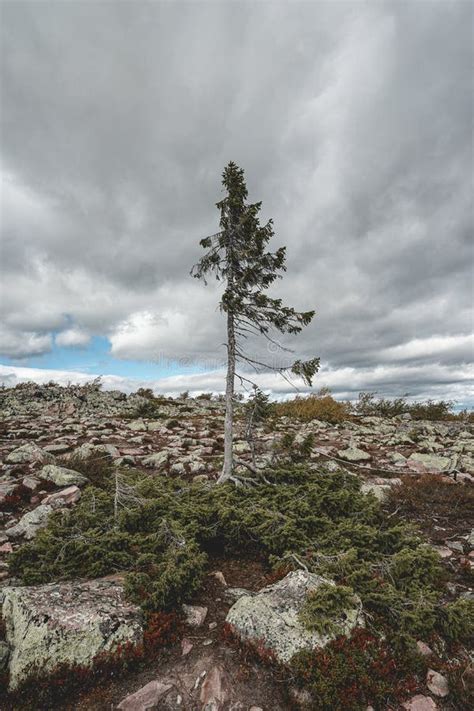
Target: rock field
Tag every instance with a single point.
(43, 427)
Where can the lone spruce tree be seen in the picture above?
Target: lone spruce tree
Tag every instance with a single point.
(237, 256)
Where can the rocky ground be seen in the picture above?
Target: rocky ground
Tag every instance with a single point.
(45, 429)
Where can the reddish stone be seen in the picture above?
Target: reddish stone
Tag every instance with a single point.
(68, 496)
(423, 649)
(214, 691)
(145, 698)
(420, 703)
(186, 646)
(219, 575)
(437, 683)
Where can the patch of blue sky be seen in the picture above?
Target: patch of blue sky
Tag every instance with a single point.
(96, 359)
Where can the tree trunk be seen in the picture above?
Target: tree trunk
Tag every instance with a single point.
(229, 401)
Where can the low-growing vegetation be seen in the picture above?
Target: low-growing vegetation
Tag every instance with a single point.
(320, 520)
(436, 410)
(323, 406)
(352, 672)
(324, 610)
(320, 406)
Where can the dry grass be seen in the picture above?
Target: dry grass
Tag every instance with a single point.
(314, 407)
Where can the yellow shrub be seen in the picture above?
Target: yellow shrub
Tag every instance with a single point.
(314, 407)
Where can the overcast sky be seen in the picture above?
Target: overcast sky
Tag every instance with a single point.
(353, 122)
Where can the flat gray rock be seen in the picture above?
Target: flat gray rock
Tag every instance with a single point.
(62, 476)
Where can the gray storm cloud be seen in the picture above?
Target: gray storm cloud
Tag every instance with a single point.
(352, 120)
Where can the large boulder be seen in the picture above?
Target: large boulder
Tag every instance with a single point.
(62, 476)
(49, 625)
(29, 453)
(31, 522)
(271, 617)
(432, 462)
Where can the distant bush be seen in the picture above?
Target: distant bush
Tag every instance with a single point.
(146, 393)
(436, 410)
(369, 405)
(432, 410)
(314, 407)
(150, 409)
(204, 396)
(299, 451)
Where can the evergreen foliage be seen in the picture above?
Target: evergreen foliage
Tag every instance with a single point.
(318, 519)
(237, 255)
(323, 519)
(323, 611)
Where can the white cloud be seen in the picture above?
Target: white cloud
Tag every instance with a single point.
(352, 120)
(417, 382)
(11, 375)
(461, 347)
(21, 345)
(181, 326)
(72, 337)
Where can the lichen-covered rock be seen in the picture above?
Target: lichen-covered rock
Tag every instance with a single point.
(420, 703)
(195, 615)
(29, 453)
(470, 539)
(137, 426)
(4, 655)
(380, 491)
(29, 524)
(48, 625)
(432, 462)
(156, 460)
(62, 476)
(271, 617)
(354, 454)
(437, 683)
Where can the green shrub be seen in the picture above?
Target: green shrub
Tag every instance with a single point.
(413, 570)
(321, 518)
(456, 621)
(146, 393)
(98, 467)
(435, 410)
(296, 452)
(174, 577)
(150, 409)
(323, 611)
